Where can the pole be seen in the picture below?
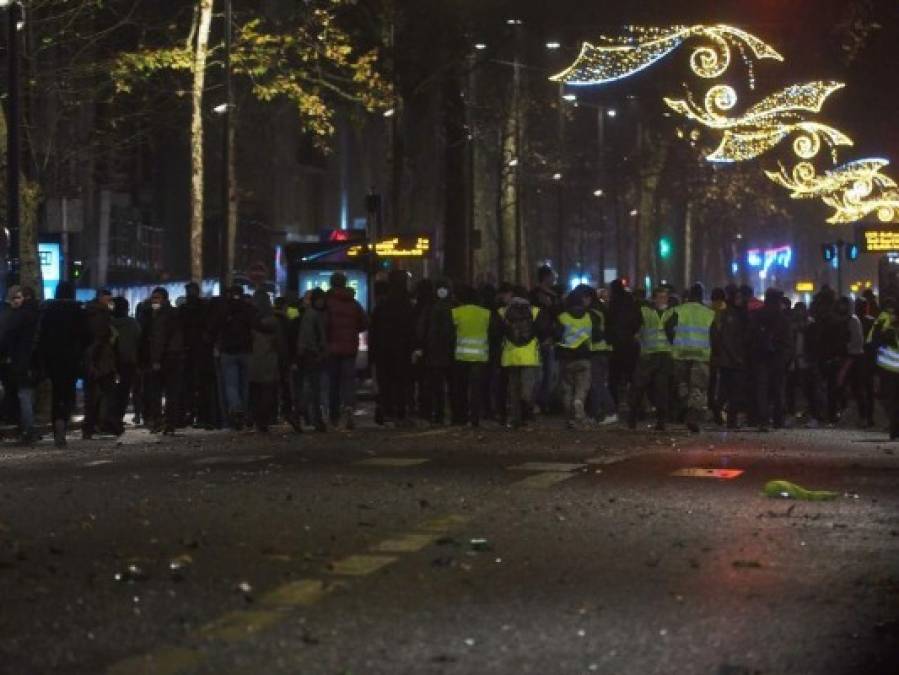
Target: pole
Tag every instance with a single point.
(840, 245)
(225, 244)
(13, 151)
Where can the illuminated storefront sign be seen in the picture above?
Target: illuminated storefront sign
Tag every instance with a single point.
(881, 240)
(396, 247)
(805, 286)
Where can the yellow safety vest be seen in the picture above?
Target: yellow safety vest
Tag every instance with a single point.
(472, 326)
(882, 321)
(602, 345)
(576, 331)
(652, 334)
(692, 335)
(528, 355)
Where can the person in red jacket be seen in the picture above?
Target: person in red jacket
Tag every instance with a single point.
(344, 321)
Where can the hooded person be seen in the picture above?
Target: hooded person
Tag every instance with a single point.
(61, 344)
(266, 361)
(390, 342)
(435, 342)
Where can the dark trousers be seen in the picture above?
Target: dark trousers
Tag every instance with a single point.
(124, 387)
(622, 366)
(62, 398)
(653, 376)
(805, 380)
(199, 391)
(769, 386)
(309, 394)
(889, 386)
(263, 398)
(99, 400)
(438, 386)
(731, 393)
(165, 384)
(393, 387)
(467, 401)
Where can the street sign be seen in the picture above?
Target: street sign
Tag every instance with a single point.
(881, 239)
(396, 247)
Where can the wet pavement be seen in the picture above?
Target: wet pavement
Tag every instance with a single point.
(450, 551)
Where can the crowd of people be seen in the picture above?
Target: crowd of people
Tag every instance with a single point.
(442, 353)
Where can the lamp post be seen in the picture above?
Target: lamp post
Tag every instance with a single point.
(13, 135)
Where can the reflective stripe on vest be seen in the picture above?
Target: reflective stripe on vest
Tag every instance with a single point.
(472, 324)
(602, 345)
(653, 339)
(888, 359)
(577, 331)
(692, 335)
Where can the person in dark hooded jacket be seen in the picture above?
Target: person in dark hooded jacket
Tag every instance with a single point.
(390, 346)
(166, 340)
(61, 344)
(19, 342)
(100, 367)
(769, 339)
(435, 336)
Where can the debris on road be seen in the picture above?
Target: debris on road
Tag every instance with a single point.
(784, 489)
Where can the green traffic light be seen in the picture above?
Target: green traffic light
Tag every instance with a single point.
(665, 248)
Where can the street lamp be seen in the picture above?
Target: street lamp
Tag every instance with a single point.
(13, 136)
(553, 45)
(557, 176)
(480, 46)
(598, 192)
(571, 98)
(611, 112)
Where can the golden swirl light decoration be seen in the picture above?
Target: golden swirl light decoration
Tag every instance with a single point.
(854, 190)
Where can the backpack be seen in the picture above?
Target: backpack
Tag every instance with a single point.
(519, 328)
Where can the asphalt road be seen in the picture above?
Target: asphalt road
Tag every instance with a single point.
(450, 551)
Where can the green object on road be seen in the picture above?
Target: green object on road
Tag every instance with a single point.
(784, 489)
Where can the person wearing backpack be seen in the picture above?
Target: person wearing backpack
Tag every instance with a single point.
(655, 367)
(574, 330)
(520, 355)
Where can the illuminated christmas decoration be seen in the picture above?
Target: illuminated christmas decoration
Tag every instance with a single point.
(616, 58)
(765, 124)
(854, 190)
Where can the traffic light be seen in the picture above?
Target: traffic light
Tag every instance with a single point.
(852, 251)
(76, 270)
(665, 248)
(829, 251)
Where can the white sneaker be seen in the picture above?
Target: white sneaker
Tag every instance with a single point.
(611, 419)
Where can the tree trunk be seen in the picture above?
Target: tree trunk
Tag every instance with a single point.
(201, 52)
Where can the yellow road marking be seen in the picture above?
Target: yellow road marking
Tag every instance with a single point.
(392, 461)
(303, 592)
(541, 481)
(163, 661)
(546, 466)
(235, 626)
(407, 543)
(443, 524)
(360, 565)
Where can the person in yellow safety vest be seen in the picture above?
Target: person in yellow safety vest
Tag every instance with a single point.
(573, 331)
(601, 406)
(692, 350)
(520, 355)
(886, 338)
(655, 366)
(881, 323)
(472, 351)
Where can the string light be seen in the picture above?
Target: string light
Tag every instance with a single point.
(854, 190)
(619, 57)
